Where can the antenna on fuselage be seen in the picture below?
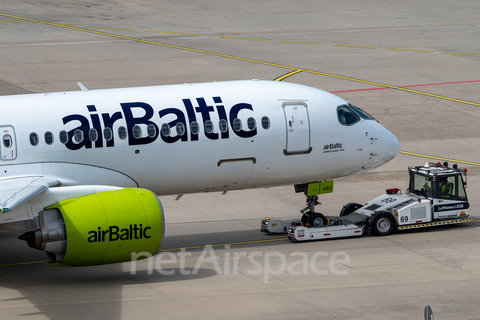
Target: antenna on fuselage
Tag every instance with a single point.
(82, 86)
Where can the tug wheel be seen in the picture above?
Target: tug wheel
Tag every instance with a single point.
(349, 208)
(383, 224)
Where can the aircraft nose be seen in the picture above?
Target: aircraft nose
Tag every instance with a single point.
(382, 146)
(392, 147)
(396, 146)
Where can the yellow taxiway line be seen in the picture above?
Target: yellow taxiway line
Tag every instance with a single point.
(239, 58)
(438, 158)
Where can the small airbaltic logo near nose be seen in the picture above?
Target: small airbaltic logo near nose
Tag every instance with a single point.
(333, 147)
(114, 233)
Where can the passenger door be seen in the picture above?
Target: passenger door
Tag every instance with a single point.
(298, 128)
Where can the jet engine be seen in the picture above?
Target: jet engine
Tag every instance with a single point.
(99, 228)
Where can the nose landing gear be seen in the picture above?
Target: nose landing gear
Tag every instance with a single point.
(309, 216)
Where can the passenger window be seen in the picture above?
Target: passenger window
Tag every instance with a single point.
(137, 132)
(78, 135)
(63, 136)
(237, 124)
(266, 123)
(107, 133)
(33, 139)
(223, 125)
(208, 126)
(180, 129)
(251, 123)
(346, 116)
(122, 133)
(93, 135)
(151, 131)
(194, 127)
(165, 130)
(48, 138)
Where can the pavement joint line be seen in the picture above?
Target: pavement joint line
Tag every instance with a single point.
(239, 58)
(167, 32)
(352, 46)
(240, 38)
(124, 29)
(301, 42)
(438, 158)
(410, 50)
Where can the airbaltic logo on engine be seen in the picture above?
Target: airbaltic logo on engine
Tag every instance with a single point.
(114, 233)
(140, 126)
(333, 147)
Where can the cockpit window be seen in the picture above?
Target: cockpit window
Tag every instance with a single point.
(361, 113)
(346, 116)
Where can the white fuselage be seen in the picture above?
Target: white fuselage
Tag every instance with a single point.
(250, 134)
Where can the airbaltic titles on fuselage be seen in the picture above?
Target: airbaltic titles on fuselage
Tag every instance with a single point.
(184, 118)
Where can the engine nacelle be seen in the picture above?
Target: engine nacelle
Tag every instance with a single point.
(100, 228)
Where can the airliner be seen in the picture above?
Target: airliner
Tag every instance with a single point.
(81, 171)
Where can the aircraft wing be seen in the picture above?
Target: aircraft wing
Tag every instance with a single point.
(15, 191)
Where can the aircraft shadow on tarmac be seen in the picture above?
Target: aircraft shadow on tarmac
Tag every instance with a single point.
(51, 289)
(13, 251)
(61, 292)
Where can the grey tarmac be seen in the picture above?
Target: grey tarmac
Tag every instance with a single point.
(413, 65)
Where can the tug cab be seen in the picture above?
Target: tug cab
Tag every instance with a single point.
(443, 186)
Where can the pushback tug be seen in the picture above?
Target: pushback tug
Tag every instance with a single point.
(436, 196)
